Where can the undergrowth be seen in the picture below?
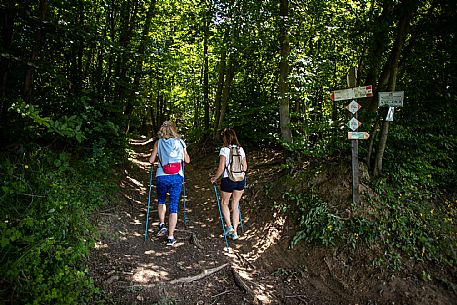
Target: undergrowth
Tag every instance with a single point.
(46, 200)
(412, 210)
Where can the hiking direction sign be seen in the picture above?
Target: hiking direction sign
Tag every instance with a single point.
(353, 107)
(355, 135)
(391, 99)
(352, 93)
(353, 124)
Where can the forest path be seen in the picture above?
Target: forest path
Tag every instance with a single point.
(197, 269)
(260, 269)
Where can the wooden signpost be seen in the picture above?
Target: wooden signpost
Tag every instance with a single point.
(353, 124)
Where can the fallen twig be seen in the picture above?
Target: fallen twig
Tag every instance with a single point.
(106, 214)
(328, 265)
(222, 293)
(301, 297)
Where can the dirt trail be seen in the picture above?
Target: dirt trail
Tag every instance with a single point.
(196, 270)
(261, 269)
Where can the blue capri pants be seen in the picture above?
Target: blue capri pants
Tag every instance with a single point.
(172, 185)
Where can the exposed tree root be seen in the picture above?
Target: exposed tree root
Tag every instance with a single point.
(195, 241)
(244, 261)
(205, 273)
(243, 286)
(188, 279)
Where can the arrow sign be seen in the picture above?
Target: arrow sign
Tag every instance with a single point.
(353, 107)
(352, 93)
(358, 135)
(353, 124)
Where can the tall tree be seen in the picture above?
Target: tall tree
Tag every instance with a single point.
(206, 23)
(389, 74)
(138, 72)
(7, 16)
(284, 116)
(42, 15)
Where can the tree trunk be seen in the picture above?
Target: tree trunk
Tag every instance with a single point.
(28, 84)
(197, 100)
(226, 90)
(284, 116)
(7, 16)
(206, 71)
(128, 17)
(389, 76)
(220, 87)
(379, 43)
(139, 64)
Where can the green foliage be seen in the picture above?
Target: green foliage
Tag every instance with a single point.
(46, 201)
(317, 223)
(404, 228)
(86, 128)
(414, 210)
(415, 225)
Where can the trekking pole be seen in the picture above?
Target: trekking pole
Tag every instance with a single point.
(149, 202)
(220, 215)
(184, 192)
(241, 218)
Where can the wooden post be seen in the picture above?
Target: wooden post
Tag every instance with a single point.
(352, 82)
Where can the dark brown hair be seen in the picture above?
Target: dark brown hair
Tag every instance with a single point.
(229, 137)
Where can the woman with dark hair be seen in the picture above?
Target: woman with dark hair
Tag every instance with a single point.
(171, 151)
(229, 187)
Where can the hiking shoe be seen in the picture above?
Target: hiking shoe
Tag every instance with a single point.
(162, 230)
(171, 241)
(234, 235)
(229, 231)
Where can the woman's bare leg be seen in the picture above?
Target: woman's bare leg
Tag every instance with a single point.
(235, 208)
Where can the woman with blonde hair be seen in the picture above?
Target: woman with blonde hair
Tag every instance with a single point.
(229, 187)
(170, 150)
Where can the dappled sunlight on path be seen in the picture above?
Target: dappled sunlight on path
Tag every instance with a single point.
(131, 268)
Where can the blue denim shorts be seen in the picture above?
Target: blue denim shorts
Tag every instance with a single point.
(172, 185)
(229, 186)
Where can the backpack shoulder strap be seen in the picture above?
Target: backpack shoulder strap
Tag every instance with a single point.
(158, 153)
(229, 157)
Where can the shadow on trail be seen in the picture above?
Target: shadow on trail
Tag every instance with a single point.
(196, 270)
(132, 270)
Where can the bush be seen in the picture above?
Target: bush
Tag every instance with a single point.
(46, 201)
